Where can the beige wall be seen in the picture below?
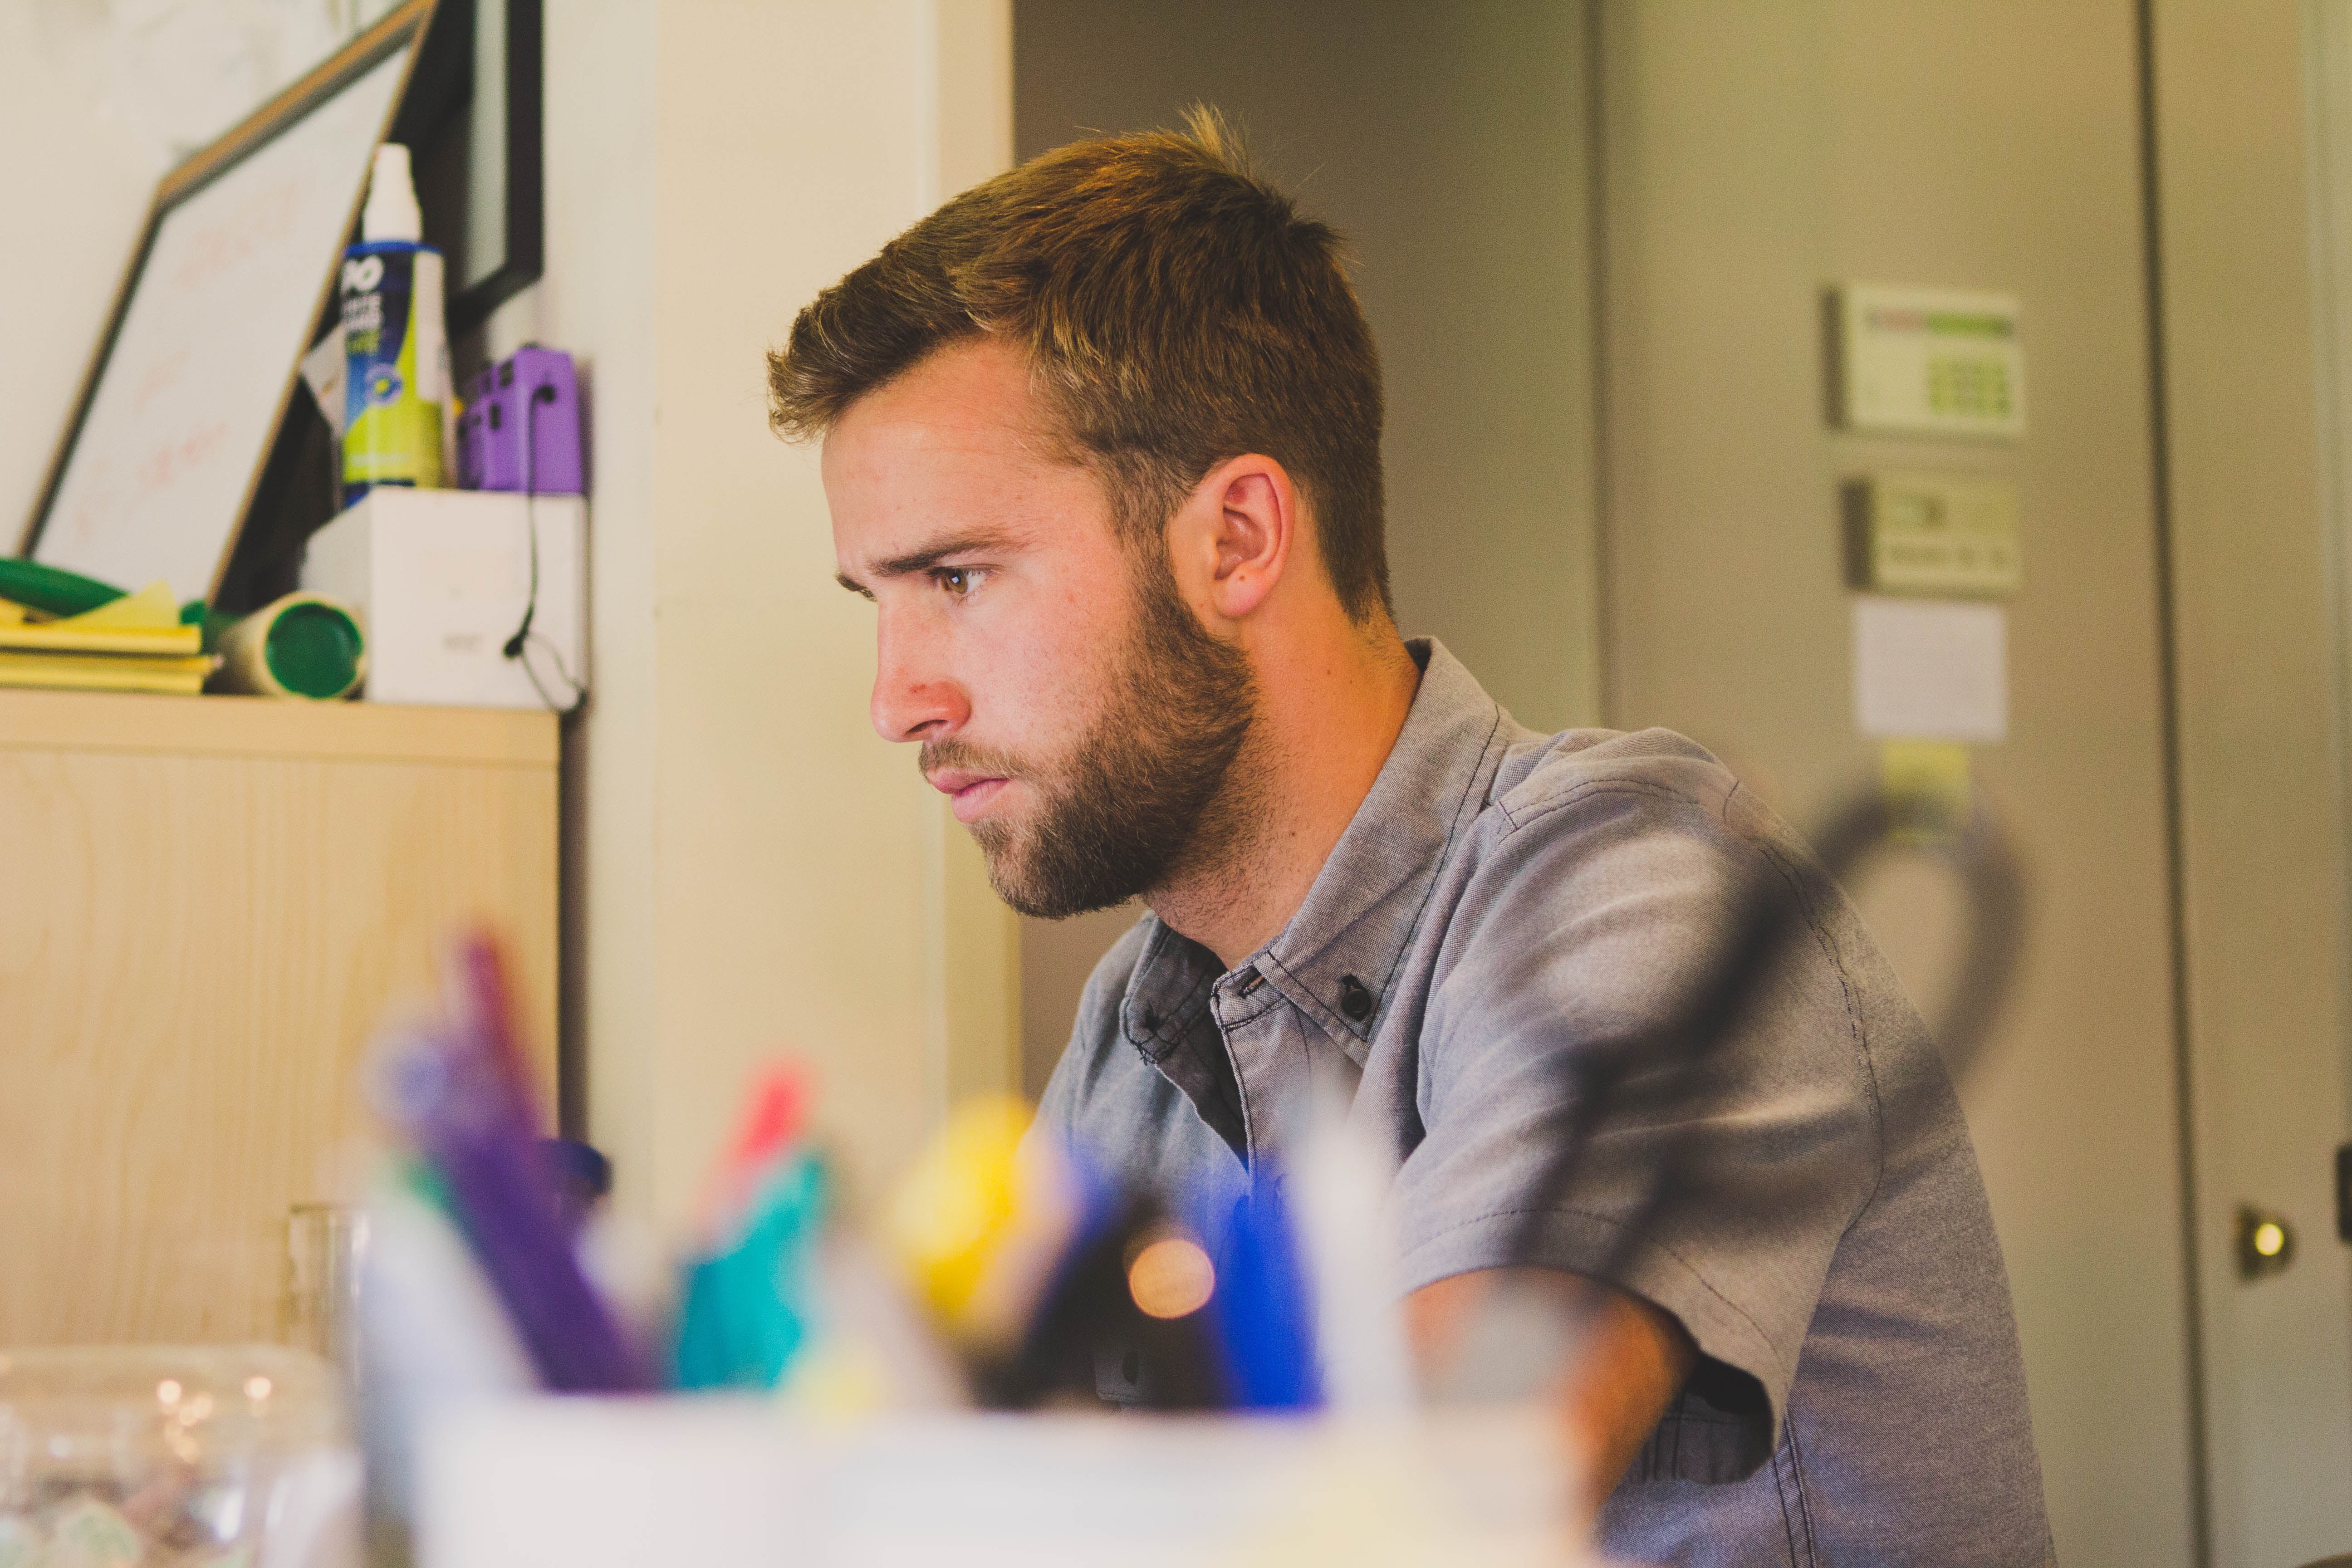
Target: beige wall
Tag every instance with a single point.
(753, 872)
(1447, 143)
(1754, 154)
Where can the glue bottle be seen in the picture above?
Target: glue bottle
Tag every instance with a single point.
(396, 341)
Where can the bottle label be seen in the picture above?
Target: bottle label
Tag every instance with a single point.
(392, 394)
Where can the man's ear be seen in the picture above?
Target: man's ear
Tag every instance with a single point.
(1232, 538)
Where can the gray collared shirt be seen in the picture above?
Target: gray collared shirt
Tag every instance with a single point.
(1505, 903)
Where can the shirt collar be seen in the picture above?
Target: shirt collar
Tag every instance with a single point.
(1359, 917)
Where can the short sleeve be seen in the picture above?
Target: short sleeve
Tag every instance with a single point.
(1588, 920)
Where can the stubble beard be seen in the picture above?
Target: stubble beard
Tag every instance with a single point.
(1149, 795)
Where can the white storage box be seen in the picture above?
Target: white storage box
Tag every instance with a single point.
(441, 580)
(736, 1483)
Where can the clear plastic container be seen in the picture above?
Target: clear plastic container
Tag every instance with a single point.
(160, 1457)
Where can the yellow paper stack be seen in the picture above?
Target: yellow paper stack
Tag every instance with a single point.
(135, 643)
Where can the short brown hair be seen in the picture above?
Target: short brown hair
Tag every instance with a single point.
(1175, 305)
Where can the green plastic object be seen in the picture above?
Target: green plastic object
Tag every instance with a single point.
(51, 591)
(314, 649)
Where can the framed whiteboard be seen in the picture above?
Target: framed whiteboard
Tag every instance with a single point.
(232, 274)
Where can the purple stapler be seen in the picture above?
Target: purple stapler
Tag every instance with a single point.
(520, 429)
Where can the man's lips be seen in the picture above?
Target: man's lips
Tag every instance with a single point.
(970, 791)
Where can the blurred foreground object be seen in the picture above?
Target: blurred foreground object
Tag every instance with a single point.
(746, 1310)
(461, 1092)
(115, 1455)
(326, 1244)
(605, 1483)
(475, 1283)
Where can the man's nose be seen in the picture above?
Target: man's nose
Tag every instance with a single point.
(915, 697)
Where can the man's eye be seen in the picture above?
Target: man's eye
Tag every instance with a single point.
(958, 580)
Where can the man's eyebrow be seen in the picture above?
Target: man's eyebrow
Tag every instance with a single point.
(928, 557)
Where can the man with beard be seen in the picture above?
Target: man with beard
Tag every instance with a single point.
(1102, 444)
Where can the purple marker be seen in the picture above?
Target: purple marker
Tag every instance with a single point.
(460, 1094)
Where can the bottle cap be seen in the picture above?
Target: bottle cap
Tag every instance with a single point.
(391, 212)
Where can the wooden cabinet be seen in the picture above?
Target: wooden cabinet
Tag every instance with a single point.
(206, 905)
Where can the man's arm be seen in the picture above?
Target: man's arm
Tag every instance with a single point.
(1632, 1362)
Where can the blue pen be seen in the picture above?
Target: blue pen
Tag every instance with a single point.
(1262, 1312)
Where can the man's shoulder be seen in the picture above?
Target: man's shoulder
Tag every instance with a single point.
(1536, 769)
(1563, 779)
(1647, 839)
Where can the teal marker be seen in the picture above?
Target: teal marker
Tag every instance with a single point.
(748, 1305)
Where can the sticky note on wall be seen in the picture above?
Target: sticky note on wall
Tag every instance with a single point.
(1927, 669)
(1926, 786)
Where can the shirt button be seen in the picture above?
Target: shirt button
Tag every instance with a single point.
(1354, 1000)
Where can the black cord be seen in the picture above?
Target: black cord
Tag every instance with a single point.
(1659, 1064)
(563, 672)
(524, 637)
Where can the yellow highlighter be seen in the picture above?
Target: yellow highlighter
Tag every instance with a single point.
(979, 1224)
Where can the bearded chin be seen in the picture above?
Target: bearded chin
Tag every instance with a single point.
(1150, 791)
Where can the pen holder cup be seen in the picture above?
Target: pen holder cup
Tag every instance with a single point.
(597, 1483)
(204, 1456)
